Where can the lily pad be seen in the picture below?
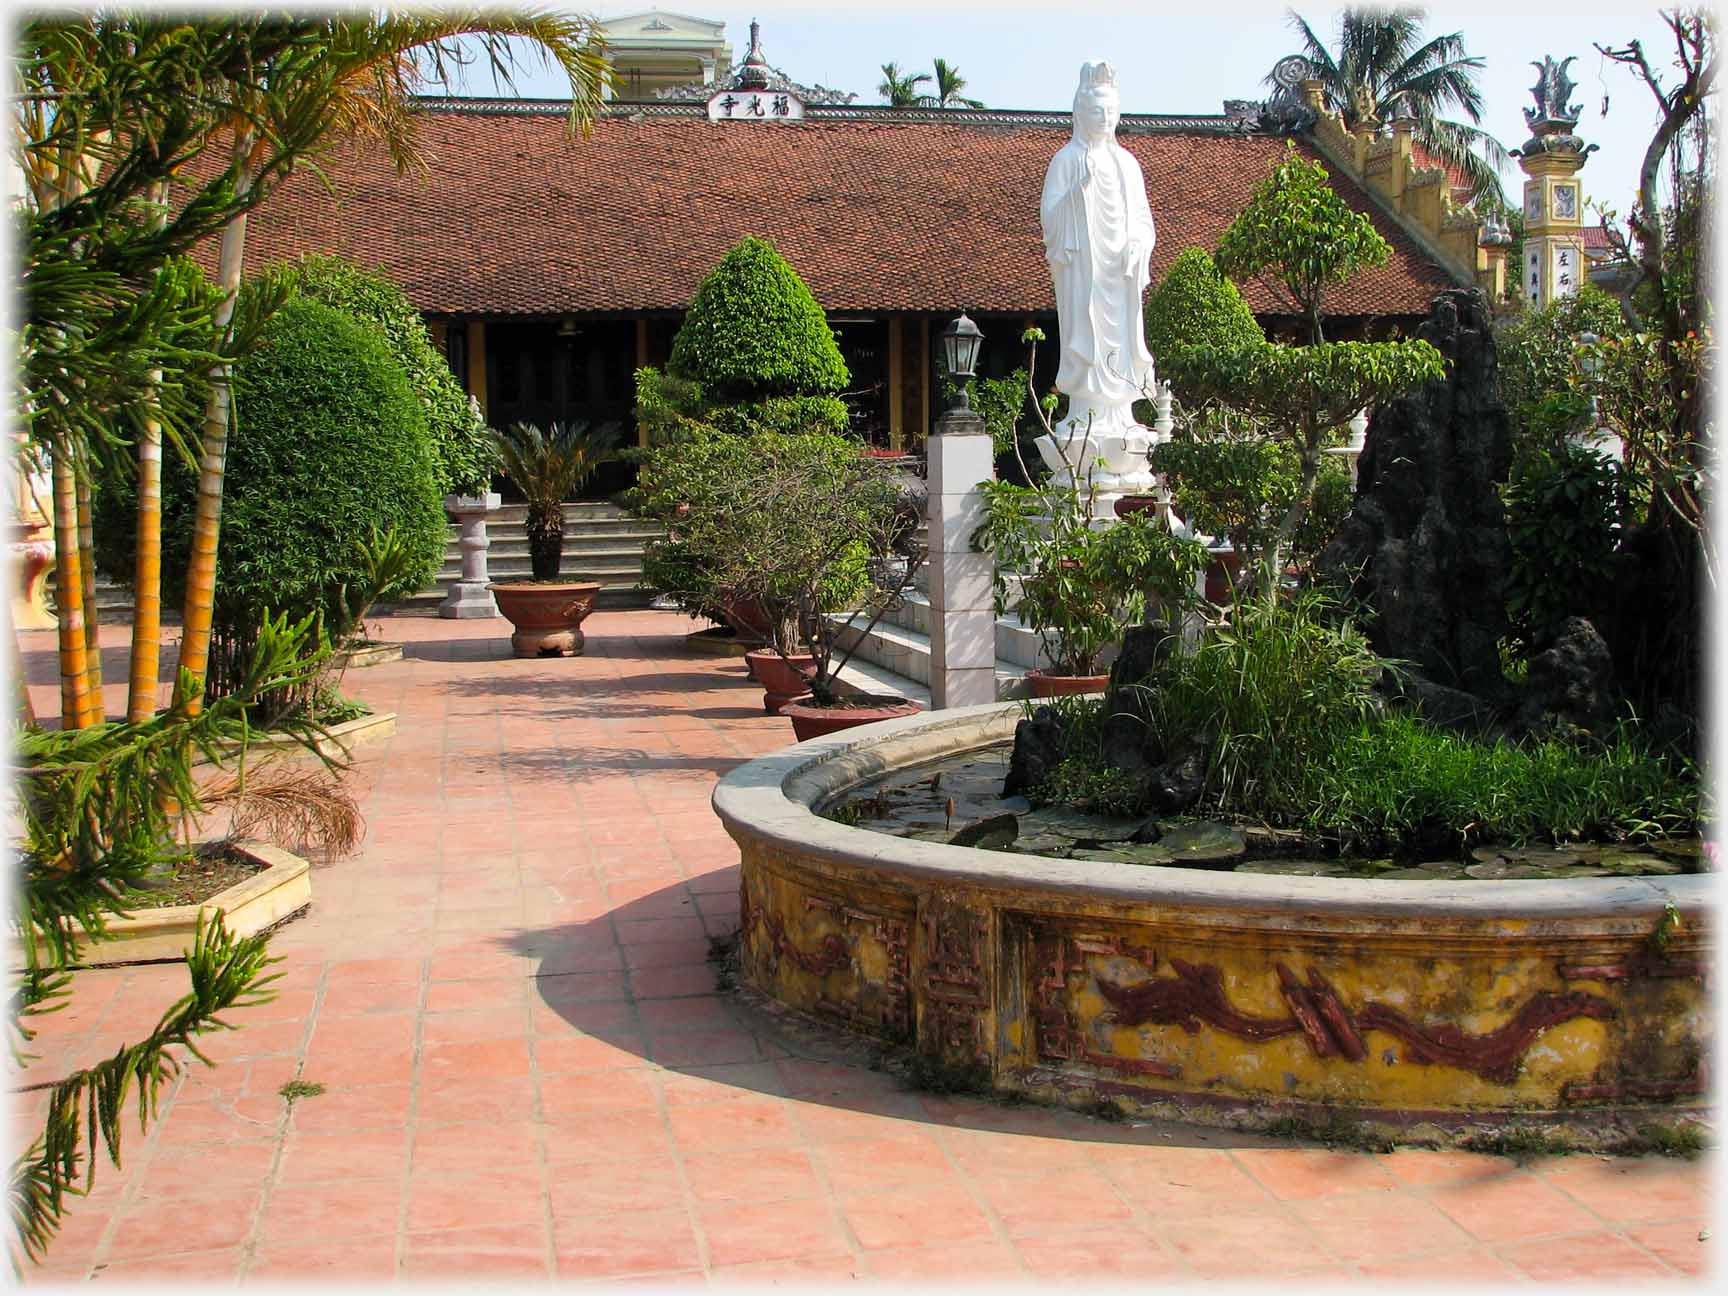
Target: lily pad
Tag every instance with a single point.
(1200, 842)
(1082, 827)
(995, 833)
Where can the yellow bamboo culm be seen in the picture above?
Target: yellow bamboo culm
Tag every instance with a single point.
(201, 567)
(143, 678)
(69, 587)
(212, 462)
(87, 570)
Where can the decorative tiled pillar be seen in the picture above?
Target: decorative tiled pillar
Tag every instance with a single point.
(962, 612)
(469, 597)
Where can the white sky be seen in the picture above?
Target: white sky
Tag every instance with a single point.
(1188, 58)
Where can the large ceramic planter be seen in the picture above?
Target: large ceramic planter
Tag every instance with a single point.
(548, 615)
(746, 617)
(782, 678)
(1047, 684)
(812, 721)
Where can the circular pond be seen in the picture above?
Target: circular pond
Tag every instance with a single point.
(1218, 995)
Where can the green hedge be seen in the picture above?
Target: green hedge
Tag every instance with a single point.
(329, 443)
(754, 330)
(1197, 306)
(466, 460)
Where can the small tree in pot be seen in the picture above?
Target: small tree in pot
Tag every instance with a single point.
(547, 467)
(1074, 582)
(795, 525)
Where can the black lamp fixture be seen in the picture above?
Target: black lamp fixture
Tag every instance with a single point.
(960, 342)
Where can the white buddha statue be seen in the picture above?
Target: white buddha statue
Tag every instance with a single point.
(1098, 238)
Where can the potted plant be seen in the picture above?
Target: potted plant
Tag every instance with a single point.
(1077, 581)
(797, 525)
(547, 468)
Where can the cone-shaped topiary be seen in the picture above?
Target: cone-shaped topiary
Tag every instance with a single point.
(754, 331)
(1197, 306)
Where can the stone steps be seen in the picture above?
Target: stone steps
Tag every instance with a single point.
(905, 654)
(602, 542)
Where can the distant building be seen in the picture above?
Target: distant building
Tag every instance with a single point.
(553, 265)
(654, 51)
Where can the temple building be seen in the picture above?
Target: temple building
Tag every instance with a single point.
(553, 264)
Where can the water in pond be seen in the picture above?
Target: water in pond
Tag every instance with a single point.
(958, 799)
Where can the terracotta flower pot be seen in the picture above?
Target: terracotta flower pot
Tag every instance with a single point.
(548, 615)
(782, 678)
(747, 617)
(1224, 572)
(1048, 684)
(812, 721)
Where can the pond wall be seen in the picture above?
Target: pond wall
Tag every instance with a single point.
(1214, 995)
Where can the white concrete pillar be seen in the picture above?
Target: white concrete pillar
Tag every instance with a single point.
(962, 612)
(469, 598)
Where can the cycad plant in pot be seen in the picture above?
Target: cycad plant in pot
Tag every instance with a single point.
(547, 467)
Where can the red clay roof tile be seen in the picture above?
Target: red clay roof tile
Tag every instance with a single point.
(514, 216)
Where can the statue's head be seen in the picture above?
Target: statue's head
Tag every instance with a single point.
(1097, 105)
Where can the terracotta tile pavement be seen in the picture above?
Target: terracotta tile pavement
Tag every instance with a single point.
(529, 1073)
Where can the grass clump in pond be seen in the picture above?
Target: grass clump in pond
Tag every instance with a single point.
(1284, 712)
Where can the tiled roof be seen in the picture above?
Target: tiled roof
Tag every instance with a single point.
(878, 213)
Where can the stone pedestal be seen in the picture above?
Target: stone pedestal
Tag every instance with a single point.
(1103, 450)
(962, 612)
(469, 596)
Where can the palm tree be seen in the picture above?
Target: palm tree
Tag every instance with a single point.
(949, 84)
(1384, 68)
(901, 91)
(356, 76)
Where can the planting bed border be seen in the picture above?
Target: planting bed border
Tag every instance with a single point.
(1218, 996)
(282, 888)
(367, 654)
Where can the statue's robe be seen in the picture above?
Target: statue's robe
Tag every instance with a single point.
(1088, 232)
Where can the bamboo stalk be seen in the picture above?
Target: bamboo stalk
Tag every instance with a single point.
(69, 585)
(207, 520)
(143, 677)
(87, 571)
(26, 709)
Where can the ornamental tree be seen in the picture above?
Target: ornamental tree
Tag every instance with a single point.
(464, 450)
(755, 352)
(1197, 305)
(1298, 235)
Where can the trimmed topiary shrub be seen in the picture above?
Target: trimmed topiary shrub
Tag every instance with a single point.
(465, 455)
(755, 331)
(329, 449)
(1196, 305)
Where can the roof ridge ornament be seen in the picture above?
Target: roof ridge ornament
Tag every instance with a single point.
(1552, 120)
(755, 74)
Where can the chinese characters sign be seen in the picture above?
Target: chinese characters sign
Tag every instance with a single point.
(755, 105)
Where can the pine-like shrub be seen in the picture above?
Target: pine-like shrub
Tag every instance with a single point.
(1196, 305)
(466, 459)
(755, 331)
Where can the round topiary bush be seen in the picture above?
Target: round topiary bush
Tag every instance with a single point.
(754, 331)
(466, 459)
(1197, 305)
(329, 447)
